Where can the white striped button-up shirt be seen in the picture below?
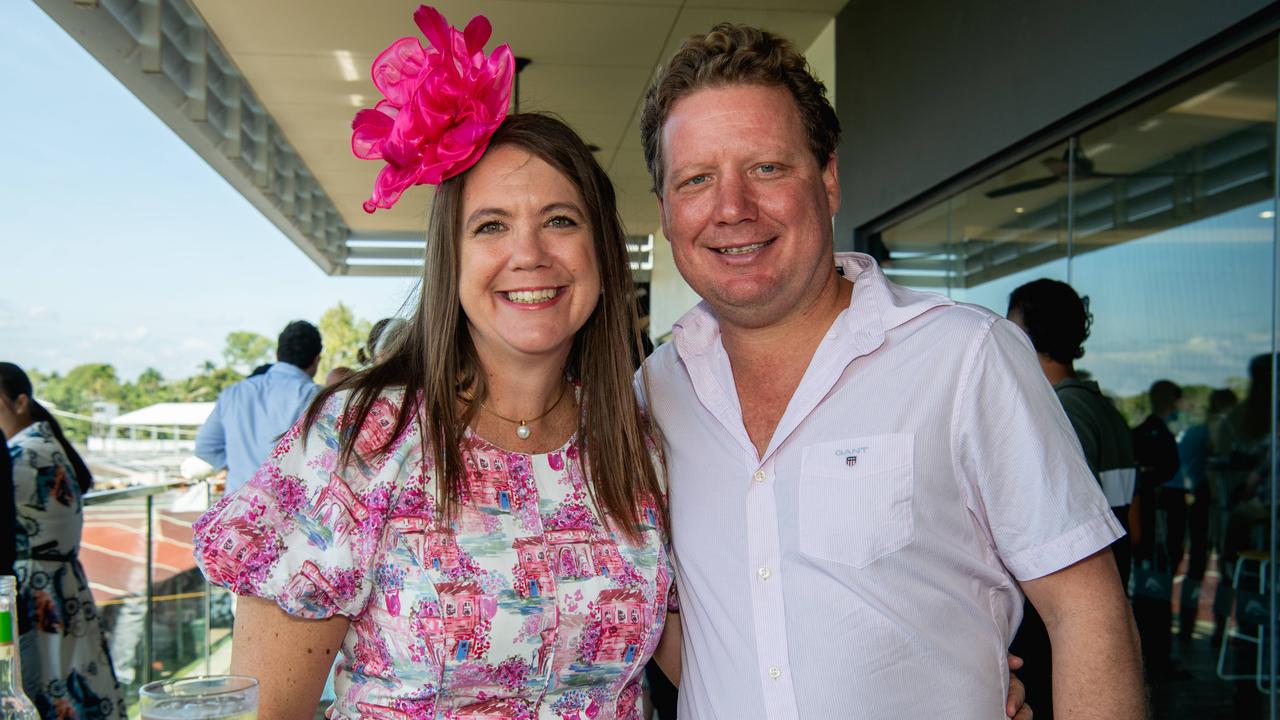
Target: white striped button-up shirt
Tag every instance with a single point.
(866, 565)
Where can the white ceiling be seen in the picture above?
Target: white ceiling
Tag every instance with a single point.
(592, 60)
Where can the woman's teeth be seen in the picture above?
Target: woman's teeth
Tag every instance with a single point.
(744, 249)
(531, 296)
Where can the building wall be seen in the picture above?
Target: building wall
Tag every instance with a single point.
(928, 88)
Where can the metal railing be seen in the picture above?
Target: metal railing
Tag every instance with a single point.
(161, 616)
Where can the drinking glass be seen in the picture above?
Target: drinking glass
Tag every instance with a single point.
(211, 697)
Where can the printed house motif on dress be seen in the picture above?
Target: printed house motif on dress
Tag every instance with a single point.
(375, 433)
(533, 574)
(338, 508)
(310, 585)
(437, 548)
(624, 620)
(378, 712)
(427, 626)
(467, 611)
(579, 553)
(490, 482)
(493, 709)
(236, 538)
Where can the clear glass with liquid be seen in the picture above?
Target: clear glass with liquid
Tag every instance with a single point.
(212, 697)
(14, 703)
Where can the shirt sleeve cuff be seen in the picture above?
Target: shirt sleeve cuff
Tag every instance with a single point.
(1066, 549)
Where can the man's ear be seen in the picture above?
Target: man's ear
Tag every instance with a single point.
(831, 180)
(662, 214)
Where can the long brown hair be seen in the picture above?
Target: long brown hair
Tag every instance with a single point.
(433, 357)
(14, 382)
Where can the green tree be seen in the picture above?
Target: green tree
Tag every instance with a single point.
(246, 350)
(77, 391)
(205, 386)
(150, 388)
(343, 337)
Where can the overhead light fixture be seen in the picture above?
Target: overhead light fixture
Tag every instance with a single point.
(357, 101)
(1019, 210)
(346, 65)
(1267, 214)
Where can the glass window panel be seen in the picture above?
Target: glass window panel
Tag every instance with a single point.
(1172, 240)
(1171, 235)
(989, 239)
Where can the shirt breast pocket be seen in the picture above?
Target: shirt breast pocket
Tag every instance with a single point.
(855, 499)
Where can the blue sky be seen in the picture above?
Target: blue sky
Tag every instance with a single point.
(1191, 304)
(118, 243)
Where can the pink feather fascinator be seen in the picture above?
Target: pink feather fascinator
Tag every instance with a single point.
(443, 104)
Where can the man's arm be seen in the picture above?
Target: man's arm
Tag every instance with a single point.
(1097, 667)
(211, 439)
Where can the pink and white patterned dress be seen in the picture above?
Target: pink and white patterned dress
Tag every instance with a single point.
(524, 606)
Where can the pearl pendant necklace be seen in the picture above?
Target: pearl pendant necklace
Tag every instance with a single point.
(523, 431)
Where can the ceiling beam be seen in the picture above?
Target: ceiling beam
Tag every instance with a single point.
(169, 71)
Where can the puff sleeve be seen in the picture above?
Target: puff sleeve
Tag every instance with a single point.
(304, 532)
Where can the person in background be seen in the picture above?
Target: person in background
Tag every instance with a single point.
(1194, 450)
(337, 375)
(66, 665)
(366, 354)
(1057, 321)
(1241, 443)
(1160, 496)
(251, 414)
(381, 336)
(8, 513)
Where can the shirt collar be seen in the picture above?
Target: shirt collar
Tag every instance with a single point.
(281, 367)
(876, 307)
(1090, 385)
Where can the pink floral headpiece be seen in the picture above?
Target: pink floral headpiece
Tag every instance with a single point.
(442, 105)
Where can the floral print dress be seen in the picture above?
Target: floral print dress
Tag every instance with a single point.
(66, 668)
(524, 606)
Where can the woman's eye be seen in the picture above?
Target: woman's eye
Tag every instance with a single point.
(561, 221)
(490, 227)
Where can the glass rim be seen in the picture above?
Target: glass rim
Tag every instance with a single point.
(163, 689)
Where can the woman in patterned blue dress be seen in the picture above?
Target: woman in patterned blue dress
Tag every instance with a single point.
(66, 668)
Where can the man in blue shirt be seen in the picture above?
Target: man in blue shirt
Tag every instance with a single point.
(253, 413)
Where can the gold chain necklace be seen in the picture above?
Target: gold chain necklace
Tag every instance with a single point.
(522, 426)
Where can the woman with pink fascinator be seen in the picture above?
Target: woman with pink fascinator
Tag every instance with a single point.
(478, 521)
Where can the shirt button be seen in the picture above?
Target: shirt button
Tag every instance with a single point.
(759, 476)
(775, 672)
(763, 573)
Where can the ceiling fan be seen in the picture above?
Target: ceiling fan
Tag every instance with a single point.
(1061, 168)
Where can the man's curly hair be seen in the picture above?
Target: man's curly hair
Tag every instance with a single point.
(733, 54)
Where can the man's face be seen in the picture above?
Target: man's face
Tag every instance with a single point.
(745, 204)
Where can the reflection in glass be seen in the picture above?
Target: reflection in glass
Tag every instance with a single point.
(1164, 216)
